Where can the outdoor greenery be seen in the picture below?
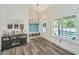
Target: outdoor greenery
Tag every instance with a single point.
(66, 23)
(69, 23)
(65, 27)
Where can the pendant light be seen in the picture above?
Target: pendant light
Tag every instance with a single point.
(37, 14)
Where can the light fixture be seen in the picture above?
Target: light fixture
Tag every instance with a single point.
(37, 15)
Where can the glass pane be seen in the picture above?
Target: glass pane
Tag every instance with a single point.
(56, 27)
(56, 31)
(73, 28)
(55, 22)
(69, 28)
(65, 28)
(60, 28)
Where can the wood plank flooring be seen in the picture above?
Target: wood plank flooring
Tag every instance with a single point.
(37, 46)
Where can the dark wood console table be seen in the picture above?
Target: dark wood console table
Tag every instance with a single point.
(13, 41)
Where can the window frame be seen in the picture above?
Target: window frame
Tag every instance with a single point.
(62, 26)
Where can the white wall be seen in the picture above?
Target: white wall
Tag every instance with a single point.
(16, 12)
(72, 46)
(21, 12)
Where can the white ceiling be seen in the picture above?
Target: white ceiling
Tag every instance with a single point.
(41, 7)
(50, 10)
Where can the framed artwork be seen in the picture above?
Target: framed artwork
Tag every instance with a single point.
(10, 26)
(21, 27)
(44, 27)
(16, 26)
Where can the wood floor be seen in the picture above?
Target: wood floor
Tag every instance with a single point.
(37, 46)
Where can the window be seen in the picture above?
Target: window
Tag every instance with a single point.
(65, 27)
(33, 27)
(57, 27)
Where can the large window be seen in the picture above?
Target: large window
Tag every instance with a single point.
(65, 27)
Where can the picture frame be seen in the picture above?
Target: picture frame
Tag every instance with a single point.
(16, 26)
(44, 27)
(10, 26)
